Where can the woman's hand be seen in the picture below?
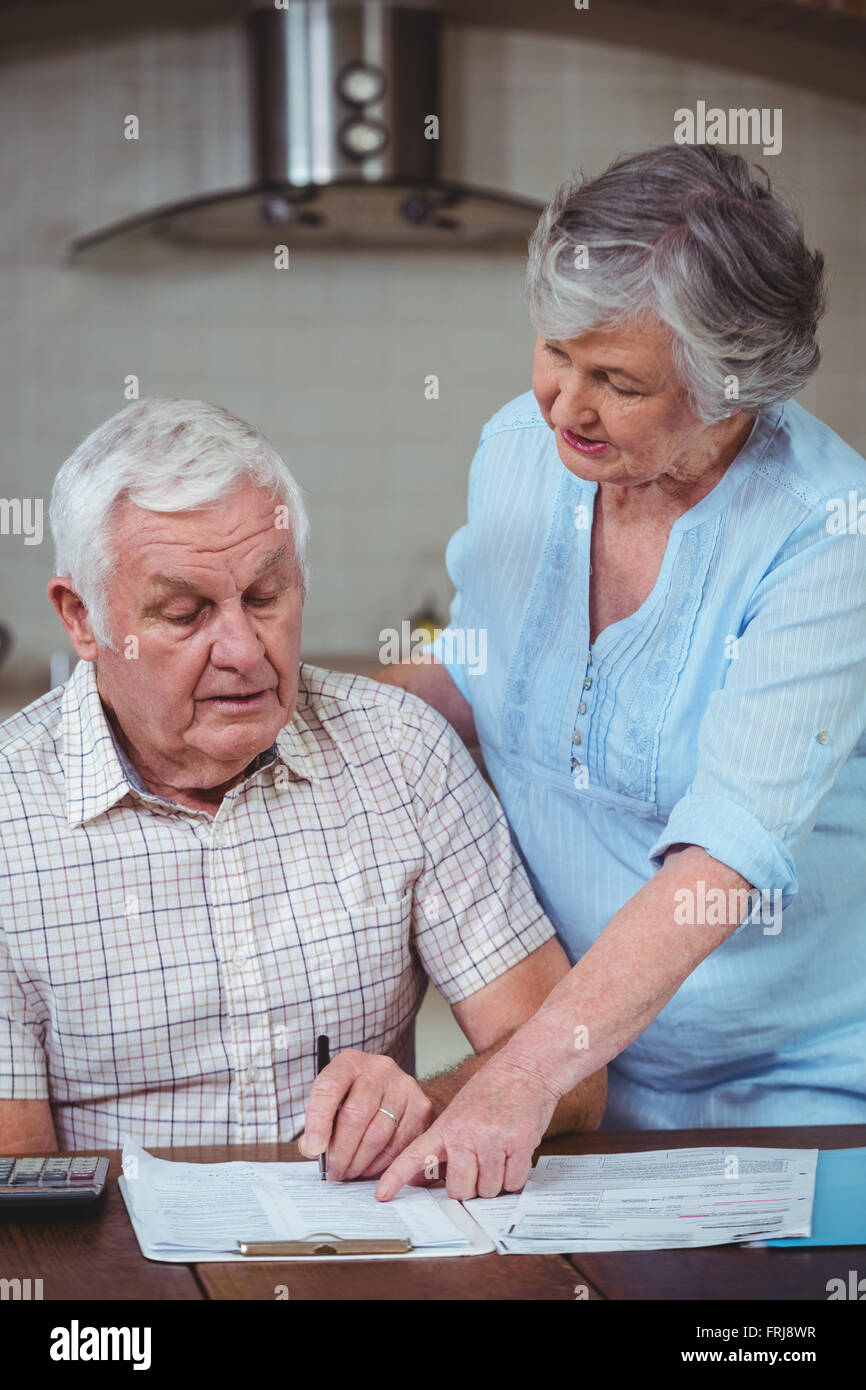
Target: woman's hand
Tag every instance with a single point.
(361, 1139)
(484, 1140)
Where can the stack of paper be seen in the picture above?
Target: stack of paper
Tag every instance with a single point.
(193, 1211)
(661, 1200)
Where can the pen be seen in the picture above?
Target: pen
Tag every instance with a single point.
(323, 1057)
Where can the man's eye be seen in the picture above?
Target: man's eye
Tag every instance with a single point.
(260, 602)
(185, 620)
(620, 391)
(554, 351)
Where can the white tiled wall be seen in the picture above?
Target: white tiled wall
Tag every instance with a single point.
(329, 358)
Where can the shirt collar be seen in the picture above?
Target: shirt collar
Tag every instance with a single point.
(98, 771)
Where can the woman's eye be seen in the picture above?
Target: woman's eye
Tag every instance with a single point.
(555, 352)
(619, 390)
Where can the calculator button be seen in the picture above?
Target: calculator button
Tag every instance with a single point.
(83, 1169)
(27, 1171)
(56, 1173)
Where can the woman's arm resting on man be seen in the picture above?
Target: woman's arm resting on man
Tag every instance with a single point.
(486, 1136)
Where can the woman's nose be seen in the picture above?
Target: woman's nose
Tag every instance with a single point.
(577, 414)
(578, 401)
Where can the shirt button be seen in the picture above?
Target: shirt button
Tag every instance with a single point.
(239, 959)
(252, 1074)
(575, 762)
(575, 738)
(587, 683)
(823, 736)
(581, 709)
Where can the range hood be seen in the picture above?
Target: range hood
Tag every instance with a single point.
(345, 97)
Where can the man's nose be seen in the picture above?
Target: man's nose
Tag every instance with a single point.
(235, 639)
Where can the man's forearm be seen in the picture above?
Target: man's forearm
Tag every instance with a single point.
(580, 1108)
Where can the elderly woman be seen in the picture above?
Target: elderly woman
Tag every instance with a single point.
(664, 549)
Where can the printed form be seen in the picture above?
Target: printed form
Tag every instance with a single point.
(199, 1207)
(661, 1200)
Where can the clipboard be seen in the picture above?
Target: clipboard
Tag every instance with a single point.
(478, 1242)
(323, 1243)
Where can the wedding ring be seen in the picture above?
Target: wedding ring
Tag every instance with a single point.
(388, 1113)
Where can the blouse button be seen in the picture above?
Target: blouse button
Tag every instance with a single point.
(575, 738)
(575, 762)
(581, 709)
(587, 683)
(823, 736)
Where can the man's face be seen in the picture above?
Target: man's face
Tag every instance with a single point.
(214, 599)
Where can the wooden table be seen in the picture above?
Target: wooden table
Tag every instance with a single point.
(95, 1256)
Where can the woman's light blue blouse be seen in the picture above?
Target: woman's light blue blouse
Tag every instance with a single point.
(728, 711)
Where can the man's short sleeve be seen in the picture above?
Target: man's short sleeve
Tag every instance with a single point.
(775, 737)
(23, 1072)
(474, 913)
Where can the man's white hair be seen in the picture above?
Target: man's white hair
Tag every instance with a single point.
(162, 454)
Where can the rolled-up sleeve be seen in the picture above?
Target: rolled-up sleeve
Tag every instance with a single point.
(777, 734)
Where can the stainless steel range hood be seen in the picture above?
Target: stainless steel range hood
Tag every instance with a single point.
(345, 98)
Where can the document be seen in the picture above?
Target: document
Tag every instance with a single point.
(660, 1200)
(195, 1209)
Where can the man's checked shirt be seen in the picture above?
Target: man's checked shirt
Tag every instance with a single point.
(165, 972)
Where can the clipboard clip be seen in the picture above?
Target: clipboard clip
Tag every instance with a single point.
(324, 1243)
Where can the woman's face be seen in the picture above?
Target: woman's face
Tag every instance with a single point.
(620, 413)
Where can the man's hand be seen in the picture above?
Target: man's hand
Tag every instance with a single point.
(485, 1138)
(361, 1141)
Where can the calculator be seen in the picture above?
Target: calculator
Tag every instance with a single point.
(51, 1182)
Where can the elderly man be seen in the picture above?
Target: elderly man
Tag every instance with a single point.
(212, 854)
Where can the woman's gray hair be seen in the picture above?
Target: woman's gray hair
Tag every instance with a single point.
(162, 454)
(697, 238)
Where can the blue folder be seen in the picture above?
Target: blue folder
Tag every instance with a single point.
(839, 1210)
